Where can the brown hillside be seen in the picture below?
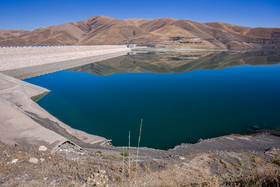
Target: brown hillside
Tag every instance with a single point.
(158, 32)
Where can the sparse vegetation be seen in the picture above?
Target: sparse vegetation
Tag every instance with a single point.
(69, 166)
(275, 154)
(277, 162)
(239, 161)
(234, 164)
(146, 168)
(125, 154)
(256, 159)
(98, 152)
(224, 163)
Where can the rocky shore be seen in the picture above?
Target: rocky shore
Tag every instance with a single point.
(70, 165)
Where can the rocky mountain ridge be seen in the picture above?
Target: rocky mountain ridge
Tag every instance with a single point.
(160, 32)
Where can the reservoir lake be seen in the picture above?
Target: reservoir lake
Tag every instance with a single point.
(181, 97)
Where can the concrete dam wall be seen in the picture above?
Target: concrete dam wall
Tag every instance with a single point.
(33, 61)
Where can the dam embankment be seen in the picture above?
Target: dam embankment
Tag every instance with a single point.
(28, 62)
(14, 58)
(21, 119)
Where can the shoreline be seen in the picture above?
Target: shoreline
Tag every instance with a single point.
(17, 95)
(53, 153)
(179, 49)
(62, 133)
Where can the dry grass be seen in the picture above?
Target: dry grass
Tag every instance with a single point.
(239, 161)
(225, 164)
(137, 154)
(277, 162)
(203, 169)
(256, 159)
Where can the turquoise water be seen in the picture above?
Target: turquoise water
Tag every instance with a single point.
(176, 107)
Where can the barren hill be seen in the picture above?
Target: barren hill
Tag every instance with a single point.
(158, 32)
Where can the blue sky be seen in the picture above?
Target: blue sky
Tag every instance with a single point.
(31, 14)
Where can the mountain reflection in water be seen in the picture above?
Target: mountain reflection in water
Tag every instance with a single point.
(181, 101)
(174, 62)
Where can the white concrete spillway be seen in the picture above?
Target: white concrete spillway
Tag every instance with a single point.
(21, 119)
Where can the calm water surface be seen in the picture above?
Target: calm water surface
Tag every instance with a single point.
(210, 95)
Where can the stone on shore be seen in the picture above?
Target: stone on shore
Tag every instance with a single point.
(14, 161)
(43, 148)
(33, 160)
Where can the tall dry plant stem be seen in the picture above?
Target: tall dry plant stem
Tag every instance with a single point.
(129, 156)
(137, 153)
(123, 168)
